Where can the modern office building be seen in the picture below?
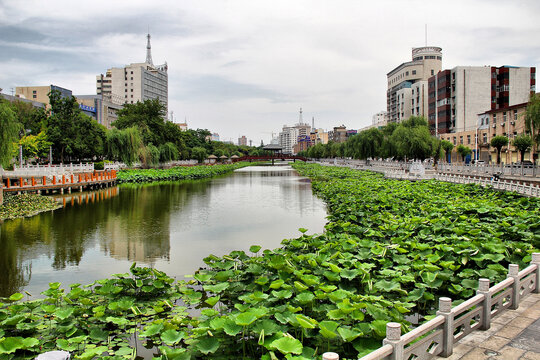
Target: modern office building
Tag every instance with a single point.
(407, 84)
(338, 134)
(458, 95)
(99, 108)
(135, 82)
(40, 93)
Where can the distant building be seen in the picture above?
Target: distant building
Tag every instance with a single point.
(102, 110)
(183, 126)
(40, 93)
(303, 143)
(380, 119)
(135, 82)
(407, 84)
(35, 104)
(288, 137)
(508, 121)
(242, 141)
(458, 95)
(338, 135)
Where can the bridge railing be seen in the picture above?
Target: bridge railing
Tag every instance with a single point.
(33, 183)
(40, 170)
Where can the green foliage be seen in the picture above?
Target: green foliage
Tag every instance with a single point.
(532, 119)
(523, 143)
(35, 145)
(147, 116)
(124, 145)
(199, 153)
(498, 142)
(9, 133)
(464, 151)
(176, 173)
(447, 146)
(26, 205)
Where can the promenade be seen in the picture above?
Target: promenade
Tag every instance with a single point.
(513, 335)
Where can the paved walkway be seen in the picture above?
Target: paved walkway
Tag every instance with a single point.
(515, 334)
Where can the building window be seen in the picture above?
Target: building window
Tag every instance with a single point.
(468, 139)
(432, 72)
(515, 115)
(132, 78)
(414, 72)
(494, 118)
(454, 140)
(131, 90)
(132, 72)
(504, 116)
(34, 91)
(461, 139)
(406, 73)
(485, 138)
(34, 96)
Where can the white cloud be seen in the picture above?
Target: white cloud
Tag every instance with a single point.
(245, 67)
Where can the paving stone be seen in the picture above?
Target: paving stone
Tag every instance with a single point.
(476, 354)
(531, 356)
(510, 353)
(521, 322)
(509, 332)
(528, 339)
(494, 343)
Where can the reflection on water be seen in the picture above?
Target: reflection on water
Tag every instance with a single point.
(171, 226)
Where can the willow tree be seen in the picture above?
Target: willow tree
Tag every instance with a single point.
(124, 145)
(9, 133)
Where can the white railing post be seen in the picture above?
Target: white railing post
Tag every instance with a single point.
(536, 261)
(513, 272)
(330, 356)
(393, 337)
(483, 288)
(445, 309)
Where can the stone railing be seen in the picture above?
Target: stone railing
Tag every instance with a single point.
(505, 185)
(490, 169)
(437, 336)
(48, 170)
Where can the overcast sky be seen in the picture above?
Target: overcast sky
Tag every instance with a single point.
(245, 67)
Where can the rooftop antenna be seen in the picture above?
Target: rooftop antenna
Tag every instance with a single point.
(313, 122)
(301, 120)
(148, 49)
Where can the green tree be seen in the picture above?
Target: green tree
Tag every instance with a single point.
(35, 145)
(61, 129)
(124, 145)
(168, 152)
(9, 133)
(532, 120)
(498, 142)
(463, 151)
(148, 116)
(412, 142)
(33, 120)
(199, 153)
(447, 146)
(523, 143)
(366, 144)
(90, 138)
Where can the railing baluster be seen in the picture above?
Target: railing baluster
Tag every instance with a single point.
(445, 309)
(513, 272)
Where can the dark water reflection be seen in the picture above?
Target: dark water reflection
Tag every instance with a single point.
(171, 226)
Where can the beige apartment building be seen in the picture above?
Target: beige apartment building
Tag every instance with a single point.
(40, 93)
(135, 82)
(508, 121)
(407, 92)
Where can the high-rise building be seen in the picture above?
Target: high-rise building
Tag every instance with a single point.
(135, 82)
(242, 141)
(407, 84)
(458, 95)
(289, 135)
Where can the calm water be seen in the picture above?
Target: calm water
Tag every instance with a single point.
(171, 226)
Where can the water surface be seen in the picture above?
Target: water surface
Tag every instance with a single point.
(171, 226)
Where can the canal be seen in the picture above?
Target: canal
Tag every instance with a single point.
(171, 226)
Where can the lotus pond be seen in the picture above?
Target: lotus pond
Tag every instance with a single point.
(391, 248)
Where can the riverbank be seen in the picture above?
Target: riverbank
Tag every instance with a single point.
(177, 173)
(26, 205)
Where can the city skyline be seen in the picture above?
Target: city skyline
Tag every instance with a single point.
(245, 68)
